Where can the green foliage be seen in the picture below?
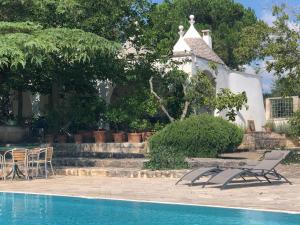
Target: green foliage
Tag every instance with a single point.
(225, 18)
(230, 103)
(283, 128)
(139, 125)
(113, 20)
(56, 119)
(71, 114)
(278, 44)
(293, 157)
(200, 89)
(198, 93)
(294, 122)
(44, 45)
(18, 27)
(196, 136)
(77, 107)
(163, 157)
(270, 125)
(132, 96)
(116, 117)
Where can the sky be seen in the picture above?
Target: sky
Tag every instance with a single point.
(263, 11)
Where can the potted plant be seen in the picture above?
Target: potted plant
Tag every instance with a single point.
(62, 138)
(100, 133)
(116, 117)
(87, 135)
(151, 130)
(75, 128)
(136, 128)
(52, 127)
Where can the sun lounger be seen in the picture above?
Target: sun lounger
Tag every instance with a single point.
(196, 174)
(264, 169)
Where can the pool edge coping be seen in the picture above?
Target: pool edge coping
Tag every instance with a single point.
(157, 202)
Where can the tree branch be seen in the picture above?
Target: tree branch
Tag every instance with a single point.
(160, 101)
(185, 110)
(186, 103)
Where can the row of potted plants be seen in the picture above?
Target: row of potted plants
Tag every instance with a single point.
(100, 136)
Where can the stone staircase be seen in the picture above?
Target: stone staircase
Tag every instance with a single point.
(107, 159)
(103, 163)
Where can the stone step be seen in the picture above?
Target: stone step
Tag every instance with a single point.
(92, 162)
(97, 155)
(104, 150)
(119, 172)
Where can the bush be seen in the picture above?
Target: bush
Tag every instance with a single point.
(294, 122)
(197, 136)
(284, 128)
(292, 158)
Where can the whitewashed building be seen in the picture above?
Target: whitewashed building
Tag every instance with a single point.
(196, 53)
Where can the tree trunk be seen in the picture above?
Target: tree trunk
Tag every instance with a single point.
(20, 107)
(160, 101)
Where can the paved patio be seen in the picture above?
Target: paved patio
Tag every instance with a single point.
(279, 196)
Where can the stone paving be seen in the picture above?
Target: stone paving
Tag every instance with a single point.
(279, 196)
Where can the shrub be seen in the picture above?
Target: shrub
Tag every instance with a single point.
(292, 158)
(283, 128)
(294, 122)
(197, 136)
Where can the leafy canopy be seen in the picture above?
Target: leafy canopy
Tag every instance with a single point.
(37, 45)
(113, 20)
(225, 18)
(279, 45)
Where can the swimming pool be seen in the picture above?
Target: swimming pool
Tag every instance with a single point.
(28, 209)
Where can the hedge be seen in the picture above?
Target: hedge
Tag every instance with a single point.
(197, 136)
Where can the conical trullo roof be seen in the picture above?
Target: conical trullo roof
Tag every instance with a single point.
(192, 43)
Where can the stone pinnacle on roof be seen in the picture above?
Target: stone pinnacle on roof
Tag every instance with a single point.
(192, 43)
(192, 32)
(181, 47)
(181, 32)
(192, 19)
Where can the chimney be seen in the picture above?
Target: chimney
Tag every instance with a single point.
(207, 37)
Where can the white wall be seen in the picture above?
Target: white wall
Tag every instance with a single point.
(237, 82)
(251, 84)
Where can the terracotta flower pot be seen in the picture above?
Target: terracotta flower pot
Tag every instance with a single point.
(100, 136)
(78, 138)
(62, 138)
(87, 136)
(134, 137)
(147, 135)
(49, 138)
(119, 137)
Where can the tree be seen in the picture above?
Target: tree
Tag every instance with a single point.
(198, 95)
(278, 45)
(113, 20)
(225, 18)
(34, 59)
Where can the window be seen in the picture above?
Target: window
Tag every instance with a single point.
(281, 107)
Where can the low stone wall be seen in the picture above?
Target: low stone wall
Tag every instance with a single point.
(263, 140)
(144, 173)
(99, 172)
(102, 150)
(13, 134)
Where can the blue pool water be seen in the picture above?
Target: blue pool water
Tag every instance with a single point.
(21, 209)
